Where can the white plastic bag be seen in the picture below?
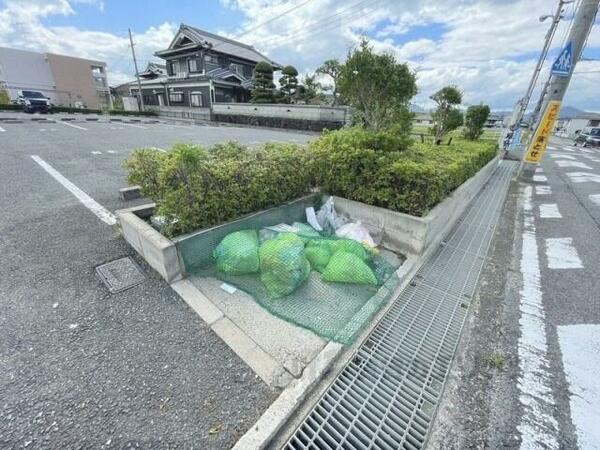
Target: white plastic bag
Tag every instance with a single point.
(356, 231)
(328, 218)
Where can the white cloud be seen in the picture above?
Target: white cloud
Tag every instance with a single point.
(487, 47)
(22, 26)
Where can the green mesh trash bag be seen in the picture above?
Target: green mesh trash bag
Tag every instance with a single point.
(347, 267)
(283, 266)
(318, 253)
(350, 246)
(306, 231)
(237, 253)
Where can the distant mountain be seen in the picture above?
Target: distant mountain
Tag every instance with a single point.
(566, 112)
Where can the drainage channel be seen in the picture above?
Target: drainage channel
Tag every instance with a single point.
(386, 396)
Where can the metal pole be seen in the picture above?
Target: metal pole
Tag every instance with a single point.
(522, 103)
(137, 73)
(582, 24)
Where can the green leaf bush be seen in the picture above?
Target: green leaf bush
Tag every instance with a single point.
(197, 187)
(382, 169)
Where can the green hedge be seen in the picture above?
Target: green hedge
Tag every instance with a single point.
(197, 187)
(67, 109)
(121, 112)
(11, 107)
(373, 168)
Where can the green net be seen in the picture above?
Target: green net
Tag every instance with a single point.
(294, 269)
(237, 253)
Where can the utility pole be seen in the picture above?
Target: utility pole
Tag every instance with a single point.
(559, 82)
(521, 106)
(137, 73)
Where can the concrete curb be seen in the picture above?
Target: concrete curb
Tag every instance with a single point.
(410, 234)
(158, 251)
(259, 436)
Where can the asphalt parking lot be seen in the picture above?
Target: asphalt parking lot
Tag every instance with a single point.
(83, 368)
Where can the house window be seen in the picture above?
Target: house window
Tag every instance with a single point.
(196, 99)
(211, 59)
(172, 67)
(237, 68)
(193, 65)
(176, 97)
(148, 99)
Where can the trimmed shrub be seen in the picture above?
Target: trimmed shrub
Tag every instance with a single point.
(197, 187)
(122, 112)
(68, 109)
(11, 107)
(378, 169)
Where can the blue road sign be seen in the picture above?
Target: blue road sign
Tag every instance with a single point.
(564, 62)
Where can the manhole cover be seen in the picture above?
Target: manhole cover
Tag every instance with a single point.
(120, 274)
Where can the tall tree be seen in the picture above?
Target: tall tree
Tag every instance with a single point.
(288, 82)
(310, 91)
(447, 116)
(263, 83)
(475, 119)
(378, 87)
(333, 69)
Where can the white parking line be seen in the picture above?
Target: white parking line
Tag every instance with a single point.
(538, 426)
(580, 348)
(595, 199)
(96, 153)
(577, 164)
(562, 254)
(549, 211)
(541, 178)
(539, 170)
(159, 149)
(134, 126)
(562, 156)
(2, 130)
(72, 126)
(112, 152)
(103, 214)
(550, 147)
(583, 177)
(543, 190)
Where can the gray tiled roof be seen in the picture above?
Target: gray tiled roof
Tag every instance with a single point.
(225, 45)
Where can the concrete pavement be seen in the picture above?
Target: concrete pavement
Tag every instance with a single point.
(526, 374)
(83, 368)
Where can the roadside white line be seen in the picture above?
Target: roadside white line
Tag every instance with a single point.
(580, 348)
(112, 152)
(541, 178)
(72, 126)
(543, 190)
(96, 153)
(562, 254)
(595, 199)
(562, 156)
(159, 149)
(538, 426)
(583, 177)
(134, 126)
(87, 201)
(549, 211)
(2, 130)
(577, 164)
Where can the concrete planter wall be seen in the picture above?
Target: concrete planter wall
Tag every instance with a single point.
(413, 235)
(158, 251)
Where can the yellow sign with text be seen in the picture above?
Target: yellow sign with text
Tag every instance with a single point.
(542, 134)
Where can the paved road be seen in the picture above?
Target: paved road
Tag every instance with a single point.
(526, 376)
(82, 368)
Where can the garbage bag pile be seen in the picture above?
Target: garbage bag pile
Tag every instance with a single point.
(284, 255)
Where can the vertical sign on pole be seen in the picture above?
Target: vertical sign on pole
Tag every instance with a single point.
(542, 134)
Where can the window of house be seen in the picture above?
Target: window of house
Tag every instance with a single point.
(176, 97)
(248, 71)
(193, 65)
(237, 68)
(211, 59)
(173, 67)
(97, 70)
(196, 99)
(147, 99)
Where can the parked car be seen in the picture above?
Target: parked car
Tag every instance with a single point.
(34, 101)
(593, 138)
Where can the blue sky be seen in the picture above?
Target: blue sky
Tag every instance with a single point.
(486, 47)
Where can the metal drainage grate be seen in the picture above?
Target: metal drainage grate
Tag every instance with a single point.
(120, 274)
(387, 395)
